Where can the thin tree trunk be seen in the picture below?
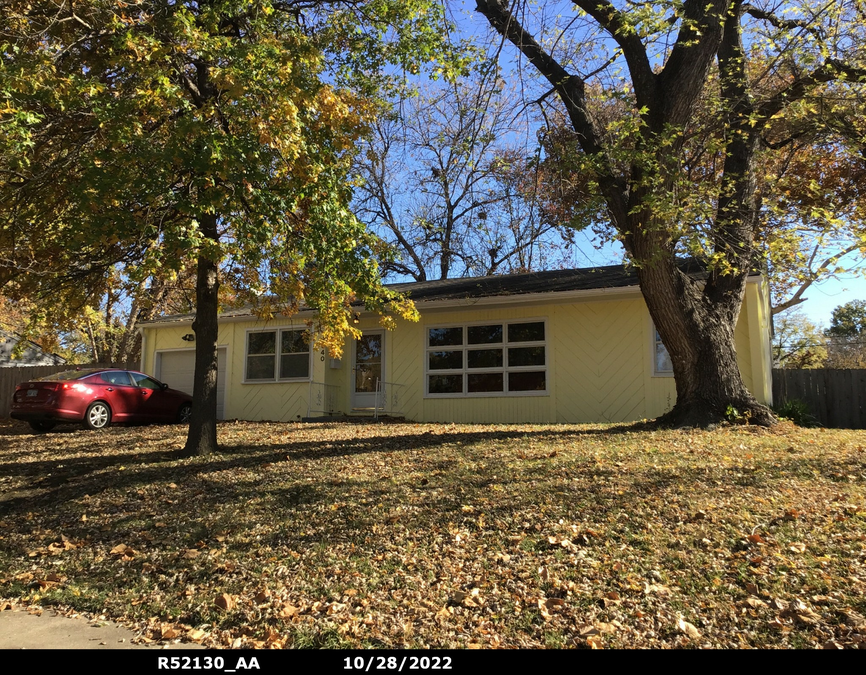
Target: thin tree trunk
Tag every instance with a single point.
(202, 436)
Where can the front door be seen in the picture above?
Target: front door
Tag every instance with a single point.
(368, 370)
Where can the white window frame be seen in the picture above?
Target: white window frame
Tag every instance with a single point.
(655, 339)
(278, 343)
(505, 369)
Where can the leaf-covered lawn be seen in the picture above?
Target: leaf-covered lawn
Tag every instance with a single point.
(365, 535)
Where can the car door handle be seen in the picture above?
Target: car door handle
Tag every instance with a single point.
(109, 389)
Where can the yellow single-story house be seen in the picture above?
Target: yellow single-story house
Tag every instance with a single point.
(559, 346)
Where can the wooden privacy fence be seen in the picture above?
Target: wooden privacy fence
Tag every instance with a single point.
(837, 398)
(11, 377)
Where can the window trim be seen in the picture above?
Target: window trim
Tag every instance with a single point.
(505, 369)
(277, 344)
(654, 341)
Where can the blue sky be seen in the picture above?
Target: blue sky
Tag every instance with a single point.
(824, 297)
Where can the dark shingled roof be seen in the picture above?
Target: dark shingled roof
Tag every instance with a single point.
(552, 281)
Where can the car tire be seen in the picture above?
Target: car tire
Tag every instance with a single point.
(184, 413)
(98, 416)
(42, 426)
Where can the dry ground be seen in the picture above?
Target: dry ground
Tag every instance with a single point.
(391, 535)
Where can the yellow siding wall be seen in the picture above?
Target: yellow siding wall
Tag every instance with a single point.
(599, 352)
(283, 401)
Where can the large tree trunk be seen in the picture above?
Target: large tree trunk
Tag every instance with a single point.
(697, 323)
(202, 436)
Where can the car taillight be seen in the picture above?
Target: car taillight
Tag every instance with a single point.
(77, 386)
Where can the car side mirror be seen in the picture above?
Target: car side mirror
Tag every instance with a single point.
(163, 386)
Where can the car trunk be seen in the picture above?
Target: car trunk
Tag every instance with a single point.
(35, 393)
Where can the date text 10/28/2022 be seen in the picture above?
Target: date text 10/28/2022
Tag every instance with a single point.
(366, 663)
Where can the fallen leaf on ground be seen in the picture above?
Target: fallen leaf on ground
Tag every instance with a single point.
(689, 629)
(225, 602)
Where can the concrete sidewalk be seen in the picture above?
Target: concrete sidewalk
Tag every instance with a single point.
(21, 630)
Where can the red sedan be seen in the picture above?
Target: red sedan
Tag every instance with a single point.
(97, 398)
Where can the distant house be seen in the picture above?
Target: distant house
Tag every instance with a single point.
(558, 346)
(31, 355)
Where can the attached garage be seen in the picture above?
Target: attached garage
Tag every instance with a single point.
(176, 368)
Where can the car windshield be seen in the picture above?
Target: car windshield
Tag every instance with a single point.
(66, 375)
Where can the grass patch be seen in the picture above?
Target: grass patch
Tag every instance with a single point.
(445, 536)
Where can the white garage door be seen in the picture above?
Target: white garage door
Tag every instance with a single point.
(177, 368)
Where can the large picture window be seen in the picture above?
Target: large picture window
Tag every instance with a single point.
(489, 359)
(273, 355)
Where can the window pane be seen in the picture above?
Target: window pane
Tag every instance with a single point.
(445, 360)
(440, 337)
(525, 332)
(295, 365)
(368, 349)
(262, 343)
(144, 381)
(367, 377)
(119, 377)
(479, 335)
(484, 358)
(663, 359)
(260, 367)
(526, 356)
(293, 341)
(526, 381)
(446, 384)
(485, 382)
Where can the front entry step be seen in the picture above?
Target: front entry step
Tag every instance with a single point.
(354, 417)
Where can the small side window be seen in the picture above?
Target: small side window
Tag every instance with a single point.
(116, 377)
(144, 382)
(662, 360)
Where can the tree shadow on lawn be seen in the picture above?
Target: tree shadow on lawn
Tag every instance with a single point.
(246, 456)
(297, 511)
(148, 467)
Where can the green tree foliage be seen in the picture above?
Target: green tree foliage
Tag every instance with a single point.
(848, 320)
(797, 342)
(846, 336)
(156, 133)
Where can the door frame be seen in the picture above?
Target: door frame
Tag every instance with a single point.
(369, 401)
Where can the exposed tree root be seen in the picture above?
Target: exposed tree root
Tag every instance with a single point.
(703, 414)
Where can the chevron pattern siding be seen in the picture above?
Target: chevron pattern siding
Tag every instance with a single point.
(600, 355)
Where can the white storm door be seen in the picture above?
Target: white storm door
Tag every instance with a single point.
(368, 368)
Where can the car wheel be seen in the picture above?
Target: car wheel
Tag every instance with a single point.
(98, 416)
(41, 426)
(184, 413)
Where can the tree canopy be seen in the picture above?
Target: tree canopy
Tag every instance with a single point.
(161, 132)
(848, 320)
(673, 109)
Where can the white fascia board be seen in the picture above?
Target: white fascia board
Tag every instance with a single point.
(306, 313)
